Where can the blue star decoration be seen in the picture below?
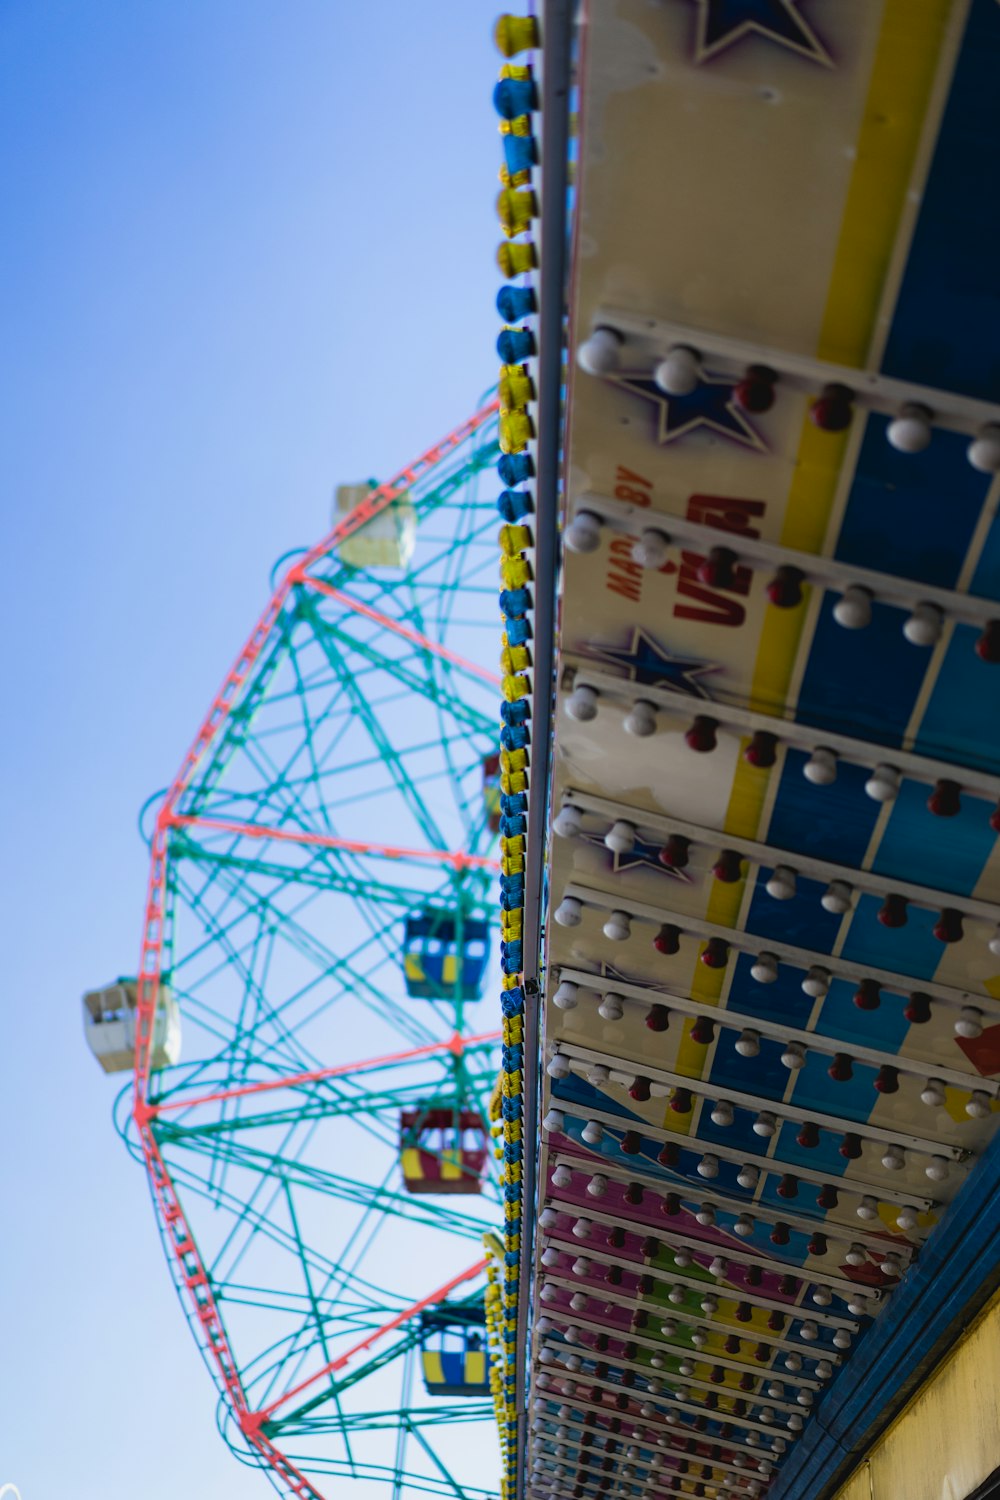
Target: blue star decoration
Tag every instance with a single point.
(641, 854)
(710, 405)
(723, 23)
(647, 664)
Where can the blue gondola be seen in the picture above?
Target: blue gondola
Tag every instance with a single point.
(444, 959)
(453, 1353)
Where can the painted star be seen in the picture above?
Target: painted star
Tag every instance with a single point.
(709, 405)
(723, 23)
(641, 854)
(649, 665)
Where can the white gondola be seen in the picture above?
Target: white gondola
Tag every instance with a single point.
(109, 1025)
(387, 540)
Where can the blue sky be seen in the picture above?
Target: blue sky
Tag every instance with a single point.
(248, 253)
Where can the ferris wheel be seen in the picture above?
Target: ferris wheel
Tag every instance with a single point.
(312, 1082)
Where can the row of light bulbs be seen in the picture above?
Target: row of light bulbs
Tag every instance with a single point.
(933, 1091)
(767, 1124)
(599, 1369)
(882, 785)
(715, 954)
(741, 1407)
(719, 1265)
(681, 371)
(853, 610)
(774, 1390)
(808, 1330)
(781, 885)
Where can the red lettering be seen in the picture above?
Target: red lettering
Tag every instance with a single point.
(718, 609)
(725, 513)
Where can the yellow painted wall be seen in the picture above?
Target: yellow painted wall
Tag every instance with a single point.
(947, 1441)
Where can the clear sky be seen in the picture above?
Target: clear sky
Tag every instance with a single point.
(247, 253)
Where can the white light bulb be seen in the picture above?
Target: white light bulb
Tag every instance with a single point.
(568, 822)
(641, 719)
(821, 767)
(593, 1133)
(583, 533)
(567, 995)
(969, 1023)
(652, 549)
(748, 1043)
(837, 897)
(817, 982)
(853, 610)
(554, 1120)
(582, 704)
(984, 450)
(883, 784)
(600, 354)
(618, 926)
(612, 1006)
(924, 626)
(598, 1185)
(910, 432)
(764, 968)
(569, 912)
(680, 372)
(782, 884)
(620, 837)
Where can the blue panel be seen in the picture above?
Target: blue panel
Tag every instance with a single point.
(957, 1268)
(802, 922)
(574, 1090)
(815, 1089)
(782, 1001)
(825, 1157)
(961, 845)
(832, 822)
(962, 721)
(946, 327)
(861, 682)
(739, 1135)
(765, 1075)
(912, 949)
(883, 1029)
(893, 516)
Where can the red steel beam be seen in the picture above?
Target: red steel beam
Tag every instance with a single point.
(455, 1044)
(455, 858)
(213, 1339)
(405, 631)
(366, 1343)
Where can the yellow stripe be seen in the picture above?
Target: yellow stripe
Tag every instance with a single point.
(906, 61)
(746, 798)
(903, 73)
